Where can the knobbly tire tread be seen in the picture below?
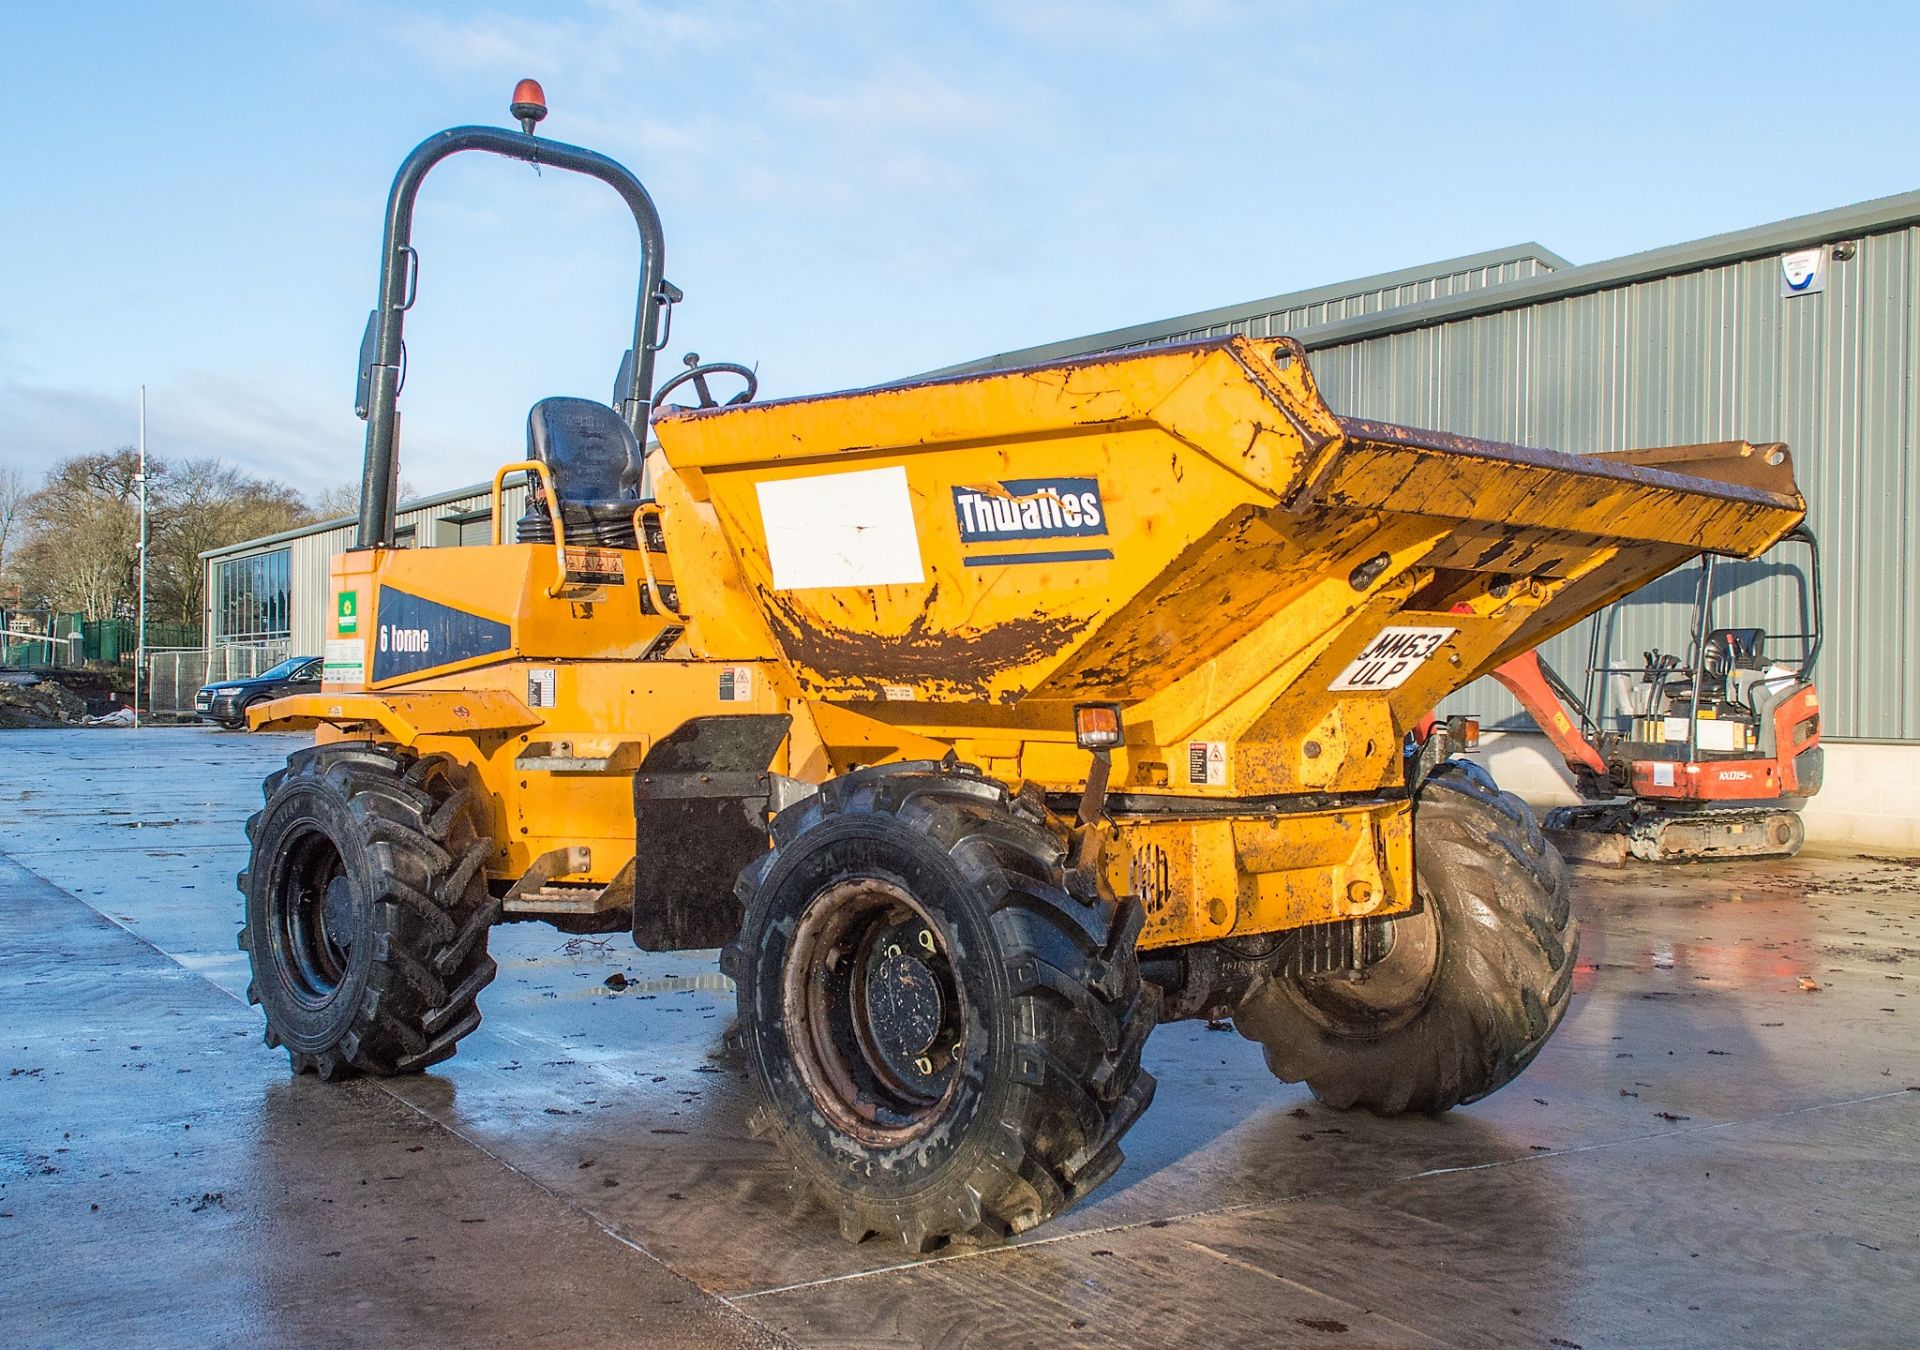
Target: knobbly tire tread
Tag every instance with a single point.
(1502, 987)
(1076, 1017)
(419, 830)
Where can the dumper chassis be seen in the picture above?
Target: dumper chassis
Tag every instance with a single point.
(983, 724)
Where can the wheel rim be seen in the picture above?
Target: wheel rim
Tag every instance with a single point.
(313, 918)
(1389, 991)
(874, 1011)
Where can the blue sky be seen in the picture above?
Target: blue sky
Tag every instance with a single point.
(852, 192)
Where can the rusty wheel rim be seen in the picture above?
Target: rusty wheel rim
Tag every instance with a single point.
(874, 1011)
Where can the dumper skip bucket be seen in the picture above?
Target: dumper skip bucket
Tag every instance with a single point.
(1187, 530)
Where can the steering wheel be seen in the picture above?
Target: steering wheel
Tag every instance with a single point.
(697, 375)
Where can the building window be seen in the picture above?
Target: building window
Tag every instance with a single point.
(251, 598)
(464, 529)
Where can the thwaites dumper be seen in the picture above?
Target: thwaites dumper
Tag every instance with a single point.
(982, 723)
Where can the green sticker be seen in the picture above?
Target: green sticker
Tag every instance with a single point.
(347, 610)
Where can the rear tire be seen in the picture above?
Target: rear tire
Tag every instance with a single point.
(367, 909)
(947, 1044)
(1474, 984)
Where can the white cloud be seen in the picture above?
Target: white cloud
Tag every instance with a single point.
(1120, 23)
(205, 415)
(600, 42)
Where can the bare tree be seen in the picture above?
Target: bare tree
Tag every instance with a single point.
(13, 500)
(343, 500)
(82, 532)
(205, 504)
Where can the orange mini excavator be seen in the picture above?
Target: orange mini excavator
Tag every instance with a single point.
(1714, 755)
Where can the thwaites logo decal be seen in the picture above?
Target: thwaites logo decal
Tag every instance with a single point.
(1023, 509)
(417, 634)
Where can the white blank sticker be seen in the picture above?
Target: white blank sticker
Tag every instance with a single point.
(841, 529)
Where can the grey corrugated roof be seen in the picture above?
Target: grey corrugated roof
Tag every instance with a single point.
(1880, 215)
(1161, 329)
(322, 526)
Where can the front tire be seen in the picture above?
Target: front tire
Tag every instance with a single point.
(1472, 985)
(947, 1043)
(367, 909)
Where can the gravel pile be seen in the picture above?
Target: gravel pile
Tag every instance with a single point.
(28, 701)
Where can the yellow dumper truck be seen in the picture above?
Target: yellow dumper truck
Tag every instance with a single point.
(982, 723)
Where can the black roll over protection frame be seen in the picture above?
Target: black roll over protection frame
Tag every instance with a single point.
(382, 349)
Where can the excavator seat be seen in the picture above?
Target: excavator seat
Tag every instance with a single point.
(1730, 649)
(594, 459)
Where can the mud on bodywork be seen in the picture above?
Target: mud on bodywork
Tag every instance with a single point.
(960, 663)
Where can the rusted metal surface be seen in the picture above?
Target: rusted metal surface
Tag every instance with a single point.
(960, 663)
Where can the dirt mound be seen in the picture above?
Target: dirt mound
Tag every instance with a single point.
(26, 700)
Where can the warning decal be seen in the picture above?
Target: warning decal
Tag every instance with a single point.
(542, 687)
(595, 567)
(736, 684)
(1207, 763)
(1391, 658)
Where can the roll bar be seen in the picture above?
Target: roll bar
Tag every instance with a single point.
(382, 350)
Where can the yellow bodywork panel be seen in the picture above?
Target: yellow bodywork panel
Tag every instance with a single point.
(1273, 595)
(403, 718)
(1243, 876)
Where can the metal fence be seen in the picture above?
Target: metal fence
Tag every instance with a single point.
(40, 637)
(174, 675)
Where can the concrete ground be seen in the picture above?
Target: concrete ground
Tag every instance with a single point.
(1710, 1152)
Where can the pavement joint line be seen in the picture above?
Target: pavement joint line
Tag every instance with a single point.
(567, 1203)
(1705, 1127)
(1279, 1202)
(1278, 1278)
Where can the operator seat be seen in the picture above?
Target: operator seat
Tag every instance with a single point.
(1730, 649)
(594, 459)
(1748, 646)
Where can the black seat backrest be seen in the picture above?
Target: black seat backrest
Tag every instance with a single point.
(1735, 649)
(589, 448)
(594, 458)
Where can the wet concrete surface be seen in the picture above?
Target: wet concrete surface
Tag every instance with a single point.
(1708, 1152)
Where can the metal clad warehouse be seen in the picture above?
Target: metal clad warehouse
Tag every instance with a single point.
(273, 591)
(1697, 342)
